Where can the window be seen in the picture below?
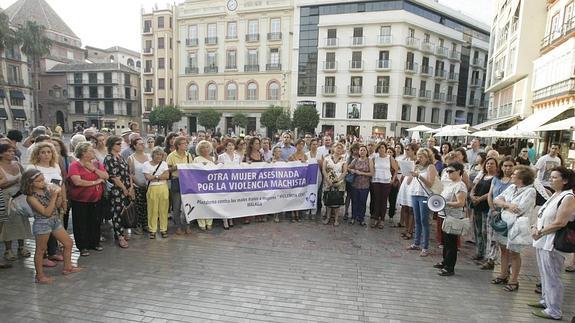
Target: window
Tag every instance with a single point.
(420, 114)
(568, 15)
(275, 25)
(253, 57)
(355, 84)
(192, 60)
(161, 63)
(231, 91)
(161, 102)
(356, 59)
(78, 107)
(435, 115)
(161, 84)
(212, 91)
(211, 60)
(160, 22)
(232, 30)
(405, 112)
(127, 93)
(382, 85)
(78, 78)
(93, 78)
(78, 92)
(385, 30)
(448, 116)
(94, 108)
(328, 110)
(274, 91)
(426, 38)
(108, 92)
(212, 30)
(274, 56)
(411, 32)
(252, 91)
(161, 44)
(354, 110)
(148, 85)
(109, 107)
(147, 26)
(93, 92)
(107, 77)
(129, 108)
(149, 104)
(253, 27)
(231, 59)
(380, 111)
(193, 32)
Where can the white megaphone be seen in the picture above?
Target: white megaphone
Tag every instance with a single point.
(436, 203)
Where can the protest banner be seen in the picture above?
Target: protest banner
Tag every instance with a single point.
(231, 191)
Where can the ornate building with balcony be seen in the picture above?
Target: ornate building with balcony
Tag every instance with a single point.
(516, 34)
(106, 95)
(397, 63)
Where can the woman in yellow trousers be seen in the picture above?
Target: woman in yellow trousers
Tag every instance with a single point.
(157, 174)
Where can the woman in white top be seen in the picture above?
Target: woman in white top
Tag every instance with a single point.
(404, 197)
(313, 156)
(555, 214)
(157, 174)
(334, 170)
(45, 159)
(204, 156)
(230, 156)
(135, 166)
(385, 168)
(517, 200)
(421, 181)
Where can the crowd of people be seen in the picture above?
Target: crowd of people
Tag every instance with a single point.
(103, 173)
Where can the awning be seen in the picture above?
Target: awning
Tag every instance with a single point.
(2, 94)
(3, 114)
(493, 123)
(540, 118)
(17, 95)
(567, 124)
(18, 114)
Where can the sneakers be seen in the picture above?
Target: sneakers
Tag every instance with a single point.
(424, 253)
(413, 247)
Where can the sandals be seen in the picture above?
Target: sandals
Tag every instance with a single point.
(380, 225)
(152, 236)
(84, 253)
(164, 235)
(488, 265)
(122, 242)
(424, 253)
(9, 255)
(413, 247)
(71, 270)
(44, 280)
(23, 252)
(499, 281)
(511, 287)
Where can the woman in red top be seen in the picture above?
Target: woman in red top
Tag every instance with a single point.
(86, 176)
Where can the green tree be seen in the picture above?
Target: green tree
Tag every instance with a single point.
(165, 116)
(306, 118)
(6, 34)
(35, 45)
(240, 120)
(209, 118)
(269, 118)
(284, 121)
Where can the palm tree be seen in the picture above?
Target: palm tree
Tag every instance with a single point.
(6, 37)
(35, 45)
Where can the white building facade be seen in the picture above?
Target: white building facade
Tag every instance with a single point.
(377, 68)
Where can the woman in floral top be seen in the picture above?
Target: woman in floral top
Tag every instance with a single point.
(363, 168)
(122, 187)
(334, 171)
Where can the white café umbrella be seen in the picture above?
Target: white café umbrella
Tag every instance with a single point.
(515, 132)
(491, 133)
(453, 132)
(449, 127)
(420, 128)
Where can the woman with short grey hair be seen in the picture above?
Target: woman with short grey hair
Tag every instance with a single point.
(204, 156)
(82, 148)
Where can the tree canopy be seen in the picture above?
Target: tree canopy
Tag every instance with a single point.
(240, 120)
(284, 122)
(165, 116)
(306, 118)
(209, 118)
(270, 116)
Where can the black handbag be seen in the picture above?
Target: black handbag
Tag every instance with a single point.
(129, 216)
(498, 225)
(333, 198)
(565, 238)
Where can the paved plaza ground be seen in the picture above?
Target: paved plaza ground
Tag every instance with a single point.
(268, 272)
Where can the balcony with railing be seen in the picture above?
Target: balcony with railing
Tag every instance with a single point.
(14, 55)
(426, 70)
(438, 97)
(329, 66)
(211, 40)
(409, 92)
(562, 88)
(450, 99)
(328, 90)
(440, 74)
(354, 90)
(427, 47)
(192, 70)
(252, 38)
(251, 68)
(410, 67)
(454, 55)
(191, 42)
(357, 41)
(382, 64)
(442, 51)
(453, 77)
(381, 90)
(149, 90)
(148, 51)
(384, 40)
(210, 69)
(15, 81)
(273, 67)
(424, 95)
(412, 42)
(148, 70)
(473, 103)
(276, 36)
(478, 62)
(231, 67)
(557, 37)
(260, 105)
(476, 82)
(356, 66)
(147, 30)
(331, 42)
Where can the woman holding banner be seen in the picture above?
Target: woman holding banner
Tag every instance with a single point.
(178, 156)
(299, 155)
(204, 156)
(253, 155)
(230, 156)
(334, 170)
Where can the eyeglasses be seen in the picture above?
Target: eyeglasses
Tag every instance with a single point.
(449, 171)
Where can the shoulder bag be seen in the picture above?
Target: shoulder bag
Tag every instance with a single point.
(565, 237)
(453, 225)
(129, 216)
(153, 174)
(333, 198)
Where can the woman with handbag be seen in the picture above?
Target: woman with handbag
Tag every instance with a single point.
(122, 190)
(334, 170)
(455, 195)
(554, 215)
(384, 169)
(498, 185)
(86, 177)
(363, 169)
(179, 156)
(422, 179)
(516, 201)
(136, 163)
(158, 195)
(351, 155)
(480, 206)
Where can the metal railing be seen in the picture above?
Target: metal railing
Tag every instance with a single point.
(384, 39)
(275, 36)
(383, 64)
(409, 91)
(190, 42)
(381, 90)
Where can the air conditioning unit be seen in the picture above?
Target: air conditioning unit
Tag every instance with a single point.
(499, 75)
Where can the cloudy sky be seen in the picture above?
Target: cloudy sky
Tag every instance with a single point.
(106, 23)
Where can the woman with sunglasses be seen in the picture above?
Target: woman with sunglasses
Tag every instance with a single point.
(122, 189)
(523, 158)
